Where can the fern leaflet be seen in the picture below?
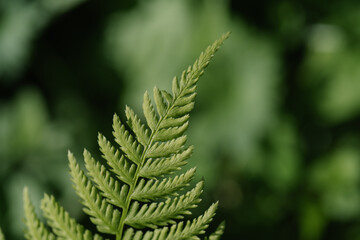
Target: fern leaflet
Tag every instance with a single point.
(36, 230)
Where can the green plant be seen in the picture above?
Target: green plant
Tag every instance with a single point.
(127, 197)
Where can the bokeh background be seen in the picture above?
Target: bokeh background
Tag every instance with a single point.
(276, 123)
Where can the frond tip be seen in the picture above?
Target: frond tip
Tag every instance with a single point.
(132, 189)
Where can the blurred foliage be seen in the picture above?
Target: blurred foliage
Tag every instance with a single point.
(276, 124)
(338, 98)
(20, 23)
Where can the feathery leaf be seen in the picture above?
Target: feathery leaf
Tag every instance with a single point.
(174, 122)
(176, 231)
(65, 227)
(149, 112)
(165, 134)
(160, 214)
(120, 166)
(111, 189)
(154, 189)
(160, 102)
(36, 230)
(141, 132)
(160, 166)
(164, 149)
(121, 199)
(103, 215)
(128, 144)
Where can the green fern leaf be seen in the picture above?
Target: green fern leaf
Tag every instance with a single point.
(154, 189)
(111, 189)
(134, 192)
(128, 144)
(174, 122)
(149, 112)
(161, 166)
(63, 226)
(176, 231)
(165, 134)
(160, 102)
(36, 230)
(141, 132)
(120, 166)
(103, 214)
(165, 149)
(164, 212)
(193, 228)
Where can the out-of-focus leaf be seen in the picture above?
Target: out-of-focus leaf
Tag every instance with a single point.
(21, 22)
(22, 124)
(336, 179)
(312, 221)
(331, 72)
(282, 163)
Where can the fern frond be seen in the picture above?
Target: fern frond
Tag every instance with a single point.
(169, 106)
(113, 191)
(176, 231)
(123, 197)
(154, 189)
(35, 230)
(160, 214)
(120, 166)
(103, 214)
(65, 227)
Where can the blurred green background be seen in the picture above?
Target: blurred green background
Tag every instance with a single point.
(276, 125)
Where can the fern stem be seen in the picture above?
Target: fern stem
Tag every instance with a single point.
(118, 236)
